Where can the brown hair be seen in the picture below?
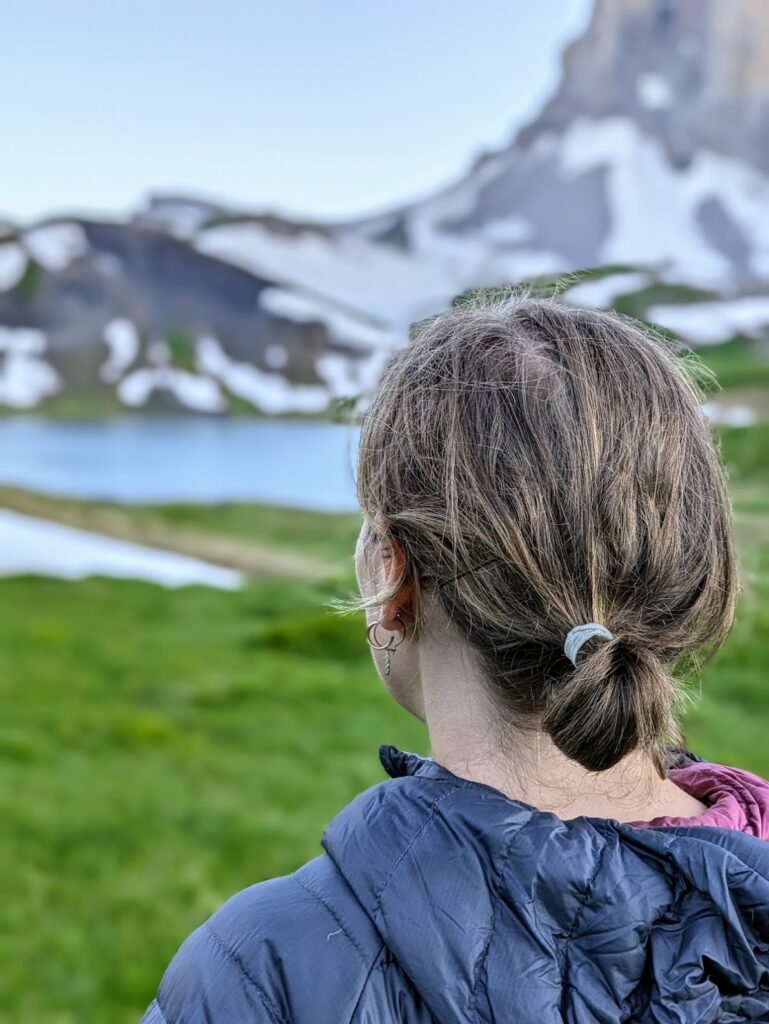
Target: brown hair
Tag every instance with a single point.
(541, 466)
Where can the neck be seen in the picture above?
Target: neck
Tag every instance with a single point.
(465, 738)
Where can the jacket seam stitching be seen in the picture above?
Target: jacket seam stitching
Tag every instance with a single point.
(331, 914)
(635, 1001)
(222, 946)
(674, 841)
(473, 1007)
(423, 826)
(588, 889)
(375, 964)
(578, 914)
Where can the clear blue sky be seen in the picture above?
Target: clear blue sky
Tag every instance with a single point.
(311, 107)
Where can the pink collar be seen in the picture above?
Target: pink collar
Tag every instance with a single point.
(737, 799)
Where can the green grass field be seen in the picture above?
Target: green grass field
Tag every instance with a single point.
(162, 749)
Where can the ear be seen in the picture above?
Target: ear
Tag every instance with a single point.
(393, 562)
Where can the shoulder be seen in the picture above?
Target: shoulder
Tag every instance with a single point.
(295, 947)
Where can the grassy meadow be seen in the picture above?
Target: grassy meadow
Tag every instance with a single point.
(162, 749)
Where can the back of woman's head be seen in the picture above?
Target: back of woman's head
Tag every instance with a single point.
(542, 466)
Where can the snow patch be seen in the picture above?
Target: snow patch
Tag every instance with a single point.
(55, 246)
(25, 378)
(200, 394)
(708, 323)
(339, 372)
(354, 275)
(654, 92)
(341, 326)
(13, 263)
(732, 415)
(122, 339)
(26, 341)
(380, 281)
(29, 545)
(507, 230)
(601, 293)
(654, 207)
(267, 391)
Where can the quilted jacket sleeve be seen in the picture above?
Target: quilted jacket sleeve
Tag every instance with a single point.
(207, 982)
(288, 949)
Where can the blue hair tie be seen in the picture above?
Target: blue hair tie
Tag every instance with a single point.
(579, 635)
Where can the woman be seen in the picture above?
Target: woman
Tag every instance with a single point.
(547, 547)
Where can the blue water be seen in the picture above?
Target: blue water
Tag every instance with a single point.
(135, 459)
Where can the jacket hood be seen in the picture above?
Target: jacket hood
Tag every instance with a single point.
(496, 910)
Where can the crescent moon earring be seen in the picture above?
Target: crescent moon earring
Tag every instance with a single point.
(391, 643)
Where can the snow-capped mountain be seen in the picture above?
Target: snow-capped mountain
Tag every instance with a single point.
(653, 154)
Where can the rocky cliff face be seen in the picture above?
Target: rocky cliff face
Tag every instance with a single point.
(653, 152)
(693, 74)
(654, 148)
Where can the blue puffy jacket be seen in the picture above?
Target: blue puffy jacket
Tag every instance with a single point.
(439, 899)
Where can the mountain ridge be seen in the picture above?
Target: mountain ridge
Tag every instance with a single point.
(650, 153)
